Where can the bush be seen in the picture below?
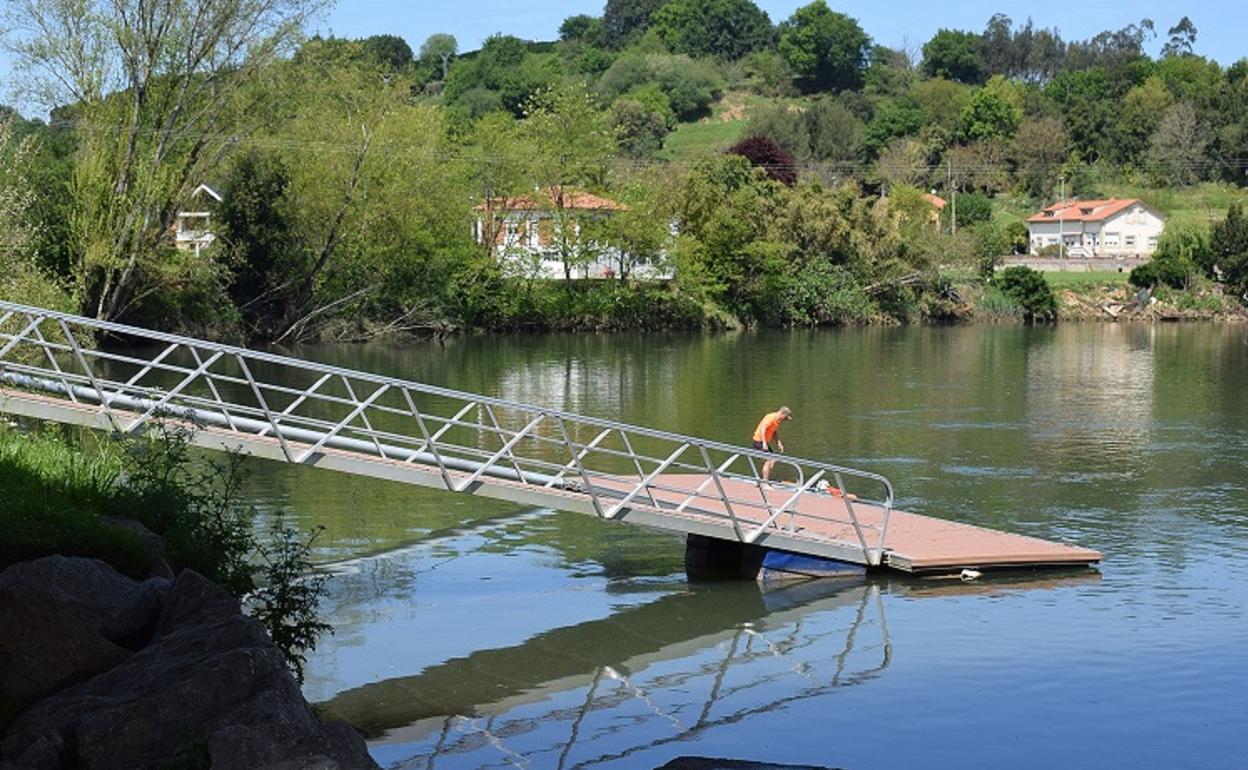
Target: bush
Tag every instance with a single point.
(973, 208)
(1028, 288)
(765, 153)
(1159, 270)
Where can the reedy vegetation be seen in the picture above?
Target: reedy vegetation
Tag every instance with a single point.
(351, 168)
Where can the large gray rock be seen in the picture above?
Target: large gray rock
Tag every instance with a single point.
(46, 646)
(211, 689)
(121, 608)
(66, 618)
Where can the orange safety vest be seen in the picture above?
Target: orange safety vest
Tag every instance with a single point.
(767, 427)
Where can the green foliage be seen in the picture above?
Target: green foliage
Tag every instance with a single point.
(1229, 244)
(390, 51)
(955, 55)
(290, 592)
(995, 304)
(437, 52)
(57, 500)
(257, 235)
(22, 277)
(625, 20)
(640, 130)
(893, 118)
(942, 101)
(689, 85)
(1188, 245)
(584, 29)
(1028, 288)
(1165, 272)
(994, 112)
(725, 28)
(973, 208)
(828, 50)
(505, 66)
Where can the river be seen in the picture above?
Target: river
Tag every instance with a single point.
(471, 633)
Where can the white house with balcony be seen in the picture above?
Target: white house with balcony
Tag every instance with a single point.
(192, 228)
(1097, 228)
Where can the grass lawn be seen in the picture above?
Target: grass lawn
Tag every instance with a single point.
(725, 125)
(691, 140)
(1069, 279)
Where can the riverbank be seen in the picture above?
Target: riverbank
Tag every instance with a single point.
(125, 644)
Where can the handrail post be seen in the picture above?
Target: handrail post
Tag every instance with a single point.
(853, 518)
(723, 495)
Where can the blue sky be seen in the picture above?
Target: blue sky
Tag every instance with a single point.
(1220, 25)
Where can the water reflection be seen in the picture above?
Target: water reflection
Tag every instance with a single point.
(644, 677)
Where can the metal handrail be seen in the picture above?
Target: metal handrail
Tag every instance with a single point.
(66, 364)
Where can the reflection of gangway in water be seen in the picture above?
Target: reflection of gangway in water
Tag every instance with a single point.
(340, 419)
(630, 677)
(625, 666)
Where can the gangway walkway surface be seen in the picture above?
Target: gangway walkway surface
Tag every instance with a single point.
(322, 416)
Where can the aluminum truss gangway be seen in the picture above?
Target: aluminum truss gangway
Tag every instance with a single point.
(70, 369)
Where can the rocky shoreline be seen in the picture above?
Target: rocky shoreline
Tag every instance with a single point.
(101, 671)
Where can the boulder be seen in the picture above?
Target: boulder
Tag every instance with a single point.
(210, 689)
(67, 618)
(46, 646)
(121, 609)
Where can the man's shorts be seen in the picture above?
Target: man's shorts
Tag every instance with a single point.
(761, 446)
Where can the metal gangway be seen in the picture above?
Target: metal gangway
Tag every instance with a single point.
(71, 369)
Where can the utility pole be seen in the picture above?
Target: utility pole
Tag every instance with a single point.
(1061, 220)
(953, 198)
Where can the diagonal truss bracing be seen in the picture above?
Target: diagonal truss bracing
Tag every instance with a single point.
(75, 369)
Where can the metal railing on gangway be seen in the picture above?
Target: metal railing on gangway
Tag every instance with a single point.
(133, 376)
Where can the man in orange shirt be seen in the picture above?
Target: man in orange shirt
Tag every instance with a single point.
(767, 436)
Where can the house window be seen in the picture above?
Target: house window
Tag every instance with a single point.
(1129, 241)
(1051, 240)
(1111, 239)
(1152, 242)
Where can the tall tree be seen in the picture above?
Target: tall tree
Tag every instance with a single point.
(1229, 244)
(955, 55)
(828, 50)
(572, 142)
(391, 50)
(624, 20)
(438, 50)
(21, 280)
(1177, 148)
(1182, 39)
(725, 28)
(160, 95)
(994, 111)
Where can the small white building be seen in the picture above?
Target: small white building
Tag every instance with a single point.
(192, 230)
(1097, 228)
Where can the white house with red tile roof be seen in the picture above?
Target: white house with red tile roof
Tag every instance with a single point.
(1117, 227)
(525, 232)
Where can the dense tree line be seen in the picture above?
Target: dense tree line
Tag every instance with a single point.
(353, 170)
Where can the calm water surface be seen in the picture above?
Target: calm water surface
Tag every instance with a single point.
(472, 633)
